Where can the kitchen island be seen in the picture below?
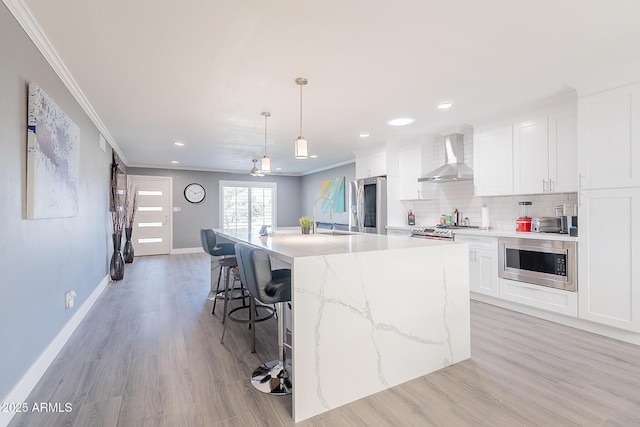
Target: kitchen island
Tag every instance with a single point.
(368, 311)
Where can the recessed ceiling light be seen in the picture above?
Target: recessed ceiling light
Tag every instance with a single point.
(403, 121)
(175, 162)
(444, 105)
(314, 156)
(179, 143)
(364, 135)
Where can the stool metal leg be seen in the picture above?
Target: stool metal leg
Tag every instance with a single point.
(271, 377)
(215, 297)
(227, 294)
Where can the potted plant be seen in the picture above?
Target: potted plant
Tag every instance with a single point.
(305, 224)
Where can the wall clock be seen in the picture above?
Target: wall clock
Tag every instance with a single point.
(194, 193)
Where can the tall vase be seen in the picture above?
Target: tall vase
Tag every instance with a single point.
(117, 262)
(127, 251)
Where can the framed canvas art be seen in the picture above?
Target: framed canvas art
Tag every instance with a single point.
(332, 189)
(53, 158)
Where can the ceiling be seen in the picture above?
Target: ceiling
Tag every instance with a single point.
(202, 71)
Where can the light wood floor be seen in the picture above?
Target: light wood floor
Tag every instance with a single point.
(149, 354)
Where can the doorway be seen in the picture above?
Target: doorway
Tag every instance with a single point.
(152, 226)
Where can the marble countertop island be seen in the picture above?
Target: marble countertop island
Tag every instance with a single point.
(368, 311)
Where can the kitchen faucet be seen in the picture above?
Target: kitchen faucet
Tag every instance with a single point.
(315, 224)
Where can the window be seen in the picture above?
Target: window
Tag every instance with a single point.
(246, 205)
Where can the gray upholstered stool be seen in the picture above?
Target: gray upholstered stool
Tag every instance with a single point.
(254, 315)
(268, 287)
(227, 251)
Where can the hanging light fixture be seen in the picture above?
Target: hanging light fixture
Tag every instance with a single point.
(300, 144)
(265, 166)
(254, 170)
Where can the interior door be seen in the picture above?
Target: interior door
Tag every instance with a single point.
(152, 226)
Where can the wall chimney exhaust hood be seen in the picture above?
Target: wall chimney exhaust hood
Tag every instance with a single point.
(454, 168)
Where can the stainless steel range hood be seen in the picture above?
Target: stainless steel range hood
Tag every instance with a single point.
(454, 168)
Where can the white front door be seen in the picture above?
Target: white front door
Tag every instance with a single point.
(152, 226)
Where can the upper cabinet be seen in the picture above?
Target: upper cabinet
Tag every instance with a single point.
(532, 156)
(493, 161)
(563, 148)
(609, 135)
(384, 162)
(413, 163)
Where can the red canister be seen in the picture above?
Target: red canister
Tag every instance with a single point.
(523, 224)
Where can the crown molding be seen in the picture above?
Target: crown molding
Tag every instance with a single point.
(28, 23)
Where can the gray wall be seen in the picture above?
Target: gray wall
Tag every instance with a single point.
(311, 191)
(193, 217)
(41, 259)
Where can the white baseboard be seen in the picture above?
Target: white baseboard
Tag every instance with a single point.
(23, 388)
(585, 325)
(186, 250)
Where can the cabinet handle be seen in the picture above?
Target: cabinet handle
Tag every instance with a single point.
(544, 185)
(550, 185)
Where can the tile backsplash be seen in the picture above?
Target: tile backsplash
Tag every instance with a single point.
(503, 210)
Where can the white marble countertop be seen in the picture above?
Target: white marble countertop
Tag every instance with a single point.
(498, 233)
(516, 234)
(287, 243)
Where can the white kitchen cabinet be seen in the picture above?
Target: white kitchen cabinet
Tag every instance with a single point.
(563, 146)
(550, 299)
(493, 161)
(544, 154)
(609, 257)
(609, 137)
(376, 164)
(531, 156)
(412, 164)
(483, 263)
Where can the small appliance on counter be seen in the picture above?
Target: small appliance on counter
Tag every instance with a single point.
(568, 218)
(550, 224)
(523, 223)
(411, 218)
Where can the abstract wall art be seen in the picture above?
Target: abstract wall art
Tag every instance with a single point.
(53, 159)
(333, 189)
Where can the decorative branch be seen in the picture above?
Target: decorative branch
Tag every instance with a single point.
(118, 208)
(131, 205)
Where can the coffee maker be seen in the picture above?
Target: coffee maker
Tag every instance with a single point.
(568, 218)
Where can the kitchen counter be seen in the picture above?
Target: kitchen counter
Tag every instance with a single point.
(289, 243)
(368, 311)
(517, 234)
(494, 233)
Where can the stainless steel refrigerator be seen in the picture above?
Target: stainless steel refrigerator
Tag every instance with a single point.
(368, 205)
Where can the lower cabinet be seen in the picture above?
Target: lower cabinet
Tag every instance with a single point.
(537, 296)
(609, 257)
(483, 263)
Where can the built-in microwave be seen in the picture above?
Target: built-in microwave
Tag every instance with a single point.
(542, 262)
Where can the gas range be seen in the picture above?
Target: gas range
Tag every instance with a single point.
(437, 232)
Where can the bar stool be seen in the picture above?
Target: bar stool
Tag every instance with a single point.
(227, 262)
(254, 316)
(268, 287)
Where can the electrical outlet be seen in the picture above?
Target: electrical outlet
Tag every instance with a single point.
(68, 298)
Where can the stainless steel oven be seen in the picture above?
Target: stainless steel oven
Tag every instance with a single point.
(542, 262)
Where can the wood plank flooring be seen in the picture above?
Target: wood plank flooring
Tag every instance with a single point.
(149, 354)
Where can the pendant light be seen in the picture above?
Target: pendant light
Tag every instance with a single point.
(254, 170)
(300, 144)
(265, 166)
